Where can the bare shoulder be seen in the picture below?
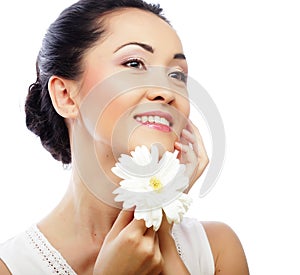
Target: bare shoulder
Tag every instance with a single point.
(3, 269)
(227, 249)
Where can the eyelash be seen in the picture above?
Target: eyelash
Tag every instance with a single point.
(140, 65)
(182, 76)
(138, 61)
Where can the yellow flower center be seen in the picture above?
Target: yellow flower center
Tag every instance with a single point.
(155, 183)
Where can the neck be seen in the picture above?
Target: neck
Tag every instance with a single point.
(80, 215)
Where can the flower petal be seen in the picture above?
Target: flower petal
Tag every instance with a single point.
(177, 208)
(141, 155)
(136, 185)
(152, 217)
(177, 181)
(141, 164)
(186, 201)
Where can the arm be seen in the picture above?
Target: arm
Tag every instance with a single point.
(227, 250)
(3, 269)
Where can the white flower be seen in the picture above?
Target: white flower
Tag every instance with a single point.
(152, 186)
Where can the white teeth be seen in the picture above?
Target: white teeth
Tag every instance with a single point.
(153, 119)
(164, 121)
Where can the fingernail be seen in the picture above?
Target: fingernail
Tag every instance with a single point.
(178, 144)
(185, 131)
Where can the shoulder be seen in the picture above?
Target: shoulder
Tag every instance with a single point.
(9, 254)
(226, 248)
(3, 269)
(16, 254)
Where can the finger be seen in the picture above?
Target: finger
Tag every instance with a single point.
(200, 150)
(158, 254)
(181, 147)
(192, 141)
(150, 233)
(191, 136)
(157, 261)
(190, 126)
(123, 219)
(198, 145)
(139, 226)
(188, 136)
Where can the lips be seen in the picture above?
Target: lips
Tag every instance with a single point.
(156, 120)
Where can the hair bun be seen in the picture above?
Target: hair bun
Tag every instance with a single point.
(45, 122)
(33, 108)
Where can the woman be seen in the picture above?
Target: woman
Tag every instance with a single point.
(93, 46)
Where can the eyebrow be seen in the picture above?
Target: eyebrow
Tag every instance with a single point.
(149, 48)
(179, 56)
(146, 47)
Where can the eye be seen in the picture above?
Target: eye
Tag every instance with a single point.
(135, 63)
(181, 76)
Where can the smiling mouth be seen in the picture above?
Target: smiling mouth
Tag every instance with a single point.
(154, 122)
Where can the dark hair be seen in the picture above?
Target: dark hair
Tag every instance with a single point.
(75, 31)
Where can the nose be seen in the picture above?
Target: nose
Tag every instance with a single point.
(161, 95)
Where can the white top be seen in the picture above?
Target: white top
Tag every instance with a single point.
(30, 252)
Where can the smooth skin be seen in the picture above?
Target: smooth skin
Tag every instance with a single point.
(98, 239)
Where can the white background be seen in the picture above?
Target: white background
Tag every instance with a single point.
(246, 54)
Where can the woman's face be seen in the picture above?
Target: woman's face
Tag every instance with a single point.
(137, 47)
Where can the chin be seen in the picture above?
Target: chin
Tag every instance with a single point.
(126, 141)
(165, 142)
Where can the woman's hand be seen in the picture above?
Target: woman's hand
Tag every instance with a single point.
(192, 153)
(129, 248)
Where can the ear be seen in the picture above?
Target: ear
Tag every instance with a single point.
(60, 91)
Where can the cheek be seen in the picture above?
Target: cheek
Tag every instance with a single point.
(111, 118)
(94, 77)
(105, 101)
(183, 108)
(185, 105)
(116, 120)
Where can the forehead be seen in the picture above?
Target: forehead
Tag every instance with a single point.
(131, 24)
